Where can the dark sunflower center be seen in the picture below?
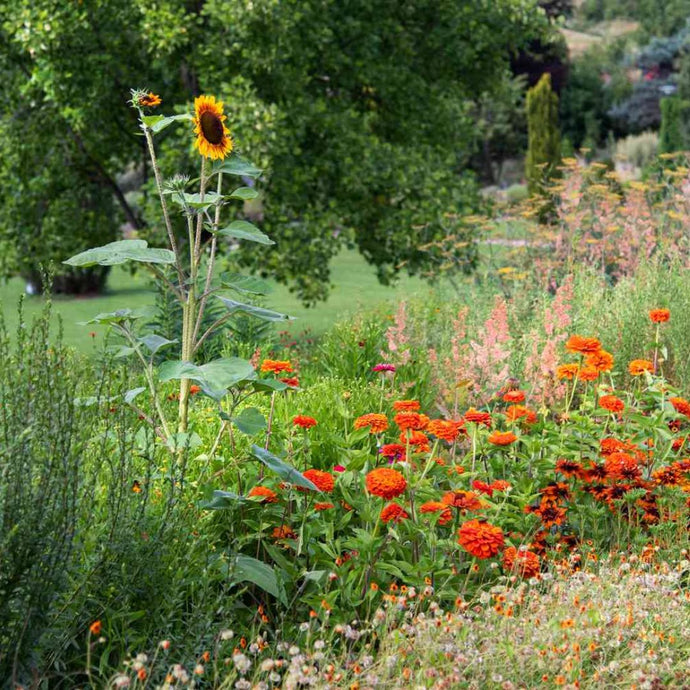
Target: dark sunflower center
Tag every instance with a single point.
(212, 127)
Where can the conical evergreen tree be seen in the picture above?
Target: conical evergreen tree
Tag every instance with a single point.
(544, 137)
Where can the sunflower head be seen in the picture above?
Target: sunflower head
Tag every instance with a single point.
(212, 136)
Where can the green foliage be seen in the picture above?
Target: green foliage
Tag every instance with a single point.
(544, 139)
(673, 114)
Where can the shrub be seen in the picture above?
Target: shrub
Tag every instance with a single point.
(544, 140)
(638, 149)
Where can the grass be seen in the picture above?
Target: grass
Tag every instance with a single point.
(354, 286)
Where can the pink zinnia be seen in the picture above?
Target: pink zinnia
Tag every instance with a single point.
(384, 367)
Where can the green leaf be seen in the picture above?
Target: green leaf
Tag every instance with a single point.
(259, 312)
(215, 377)
(268, 385)
(250, 421)
(131, 394)
(124, 351)
(246, 284)
(244, 230)
(248, 569)
(222, 500)
(282, 469)
(157, 123)
(318, 576)
(183, 441)
(195, 200)
(237, 166)
(244, 193)
(120, 252)
(155, 342)
(119, 316)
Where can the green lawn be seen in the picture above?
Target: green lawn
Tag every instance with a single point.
(354, 286)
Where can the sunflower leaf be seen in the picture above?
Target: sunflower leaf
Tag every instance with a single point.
(157, 123)
(120, 252)
(238, 166)
(244, 230)
(259, 312)
(245, 193)
(282, 469)
(245, 284)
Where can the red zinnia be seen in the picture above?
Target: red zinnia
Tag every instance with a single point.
(446, 514)
(502, 438)
(411, 420)
(522, 562)
(393, 451)
(477, 417)
(393, 513)
(385, 482)
(406, 405)
(463, 500)
(322, 480)
(480, 539)
(303, 421)
(611, 403)
(680, 405)
(267, 495)
(659, 315)
(514, 397)
(444, 429)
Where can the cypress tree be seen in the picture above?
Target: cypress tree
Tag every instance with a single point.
(543, 134)
(671, 137)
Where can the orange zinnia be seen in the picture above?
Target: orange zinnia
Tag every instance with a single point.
(611, 403)
(323, 481)
(587, 373)
(659, 315)
(276, 366)
(95, 628)
(477, 417)
(638, 367)
(463, 500)
(446, 514)
(516, 412)
(522, 562)
(283, 532)
(406, 406)
(385, 482)
(514, 397)
(323, 506)
(502, 438)
(567, 371)
(393, 513)
(680, 405)
(411, 420)
(600, 360)
(418, 439)
(581, 345)
(376, 422)
(265, 494)
(444, 429)
(304, 421)
(480, 539)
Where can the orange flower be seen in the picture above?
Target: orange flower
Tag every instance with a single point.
(95, 628)
(193, 389)
(275, 366)
(446, 514)
(522, 562)
(322, 480)
(444, 429)
(638, 367)
(377, 423)
(267, 495)
(394, 451)
(149, 100)
(418, 439)
(393, 513)
(406, 406)
(622, 466)
(463, 500)
(611, 403)
(659, 315)
(411, 420)
(680, 405)
(385, 482)
(581, 345)
(500, 485)
(293, 382)
(304, 421)
(587, 373)
(477, 417)
(567, 371)
(514, 397)
(283, 532)
(502, 438)
(600, 360)
(480, 539)
(323, 506)
(516, 412)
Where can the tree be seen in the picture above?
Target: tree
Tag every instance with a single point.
(544, 139)
(671, 135)
(360, 116)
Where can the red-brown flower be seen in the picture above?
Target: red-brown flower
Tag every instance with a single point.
(264, 493)
(521, 562)
(385, 482)
(304, 422)
(659, 315)
(502, 438)
(480, 539)
(445, 513)
(611, 403)
(323, 481)
(393, 513)
(376, 422)
(582, 345)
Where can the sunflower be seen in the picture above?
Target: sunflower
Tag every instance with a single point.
(212, 136)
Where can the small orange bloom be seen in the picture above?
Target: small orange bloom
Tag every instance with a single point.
(323, 506)
(480, 539)
(283, 532)
(502, 438)
(385, 482)
(149, 100)
(95, 628)
(376, 422)
(659, 315)
(393, 513)
(638, 367)
(680, 405)
(267, 495)
(516, 412)
(411, 420)
(477, 417)
(275, 366)
(463, 500)
(446, 514)
(611, 403)
(581, 345)
(406, 406)
(567, 371)
(444, 429)
(304, 422)
(323, 481)
(587, 373)
(522, 562)
(600, 360)
(418, 439)
(514, 397)
(193, 390)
